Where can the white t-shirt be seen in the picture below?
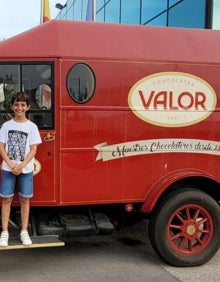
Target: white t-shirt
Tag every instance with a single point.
(18, 137)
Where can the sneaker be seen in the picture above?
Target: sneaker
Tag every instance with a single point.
(4, 239)
(25, 238)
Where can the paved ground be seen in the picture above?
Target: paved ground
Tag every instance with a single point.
(124, 256)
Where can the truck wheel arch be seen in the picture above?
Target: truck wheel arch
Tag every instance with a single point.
(176, 180)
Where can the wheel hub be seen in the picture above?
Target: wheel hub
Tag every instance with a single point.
(190, 229)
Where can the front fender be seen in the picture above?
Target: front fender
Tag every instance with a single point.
(166, 181)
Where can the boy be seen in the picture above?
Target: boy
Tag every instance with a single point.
(19, 138)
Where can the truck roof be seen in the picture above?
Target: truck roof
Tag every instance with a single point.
(92, 40)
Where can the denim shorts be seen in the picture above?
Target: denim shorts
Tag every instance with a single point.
(23, 181)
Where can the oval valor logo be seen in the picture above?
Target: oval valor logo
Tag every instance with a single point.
(172, 99)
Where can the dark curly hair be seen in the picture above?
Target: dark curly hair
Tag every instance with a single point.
(20, 97)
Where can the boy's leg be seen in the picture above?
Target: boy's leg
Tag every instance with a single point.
(25, 191)
(6, 208)
(25, 185)
(25, 210)
(7, 193)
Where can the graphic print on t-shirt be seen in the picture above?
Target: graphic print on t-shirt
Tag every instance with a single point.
(17, 141)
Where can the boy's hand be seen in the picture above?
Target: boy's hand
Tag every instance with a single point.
(17, 169)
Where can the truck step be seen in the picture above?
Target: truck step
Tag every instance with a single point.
(37, 242)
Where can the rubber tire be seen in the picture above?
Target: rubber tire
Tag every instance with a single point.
(159, 222)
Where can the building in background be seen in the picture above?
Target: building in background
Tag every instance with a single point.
(175, 13)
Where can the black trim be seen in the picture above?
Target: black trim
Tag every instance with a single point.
(209, 14)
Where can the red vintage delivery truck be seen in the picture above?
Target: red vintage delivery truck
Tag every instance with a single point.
(130, 122)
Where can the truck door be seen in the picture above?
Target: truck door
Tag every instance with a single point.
(36, 79)
(77, 156)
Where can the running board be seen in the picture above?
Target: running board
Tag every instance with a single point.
(37, 242)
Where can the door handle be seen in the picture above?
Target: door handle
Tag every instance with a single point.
(49, 137)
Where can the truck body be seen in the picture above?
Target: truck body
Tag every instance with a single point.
(129, 118)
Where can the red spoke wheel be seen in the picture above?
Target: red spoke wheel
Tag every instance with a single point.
(184, 229)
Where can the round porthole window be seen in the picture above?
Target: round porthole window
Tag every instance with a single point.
(81, 83)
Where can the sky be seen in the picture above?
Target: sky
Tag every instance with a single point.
(17, 16)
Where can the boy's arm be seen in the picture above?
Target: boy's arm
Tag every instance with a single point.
(5, 157)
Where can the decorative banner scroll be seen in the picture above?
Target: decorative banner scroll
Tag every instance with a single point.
(155, 146)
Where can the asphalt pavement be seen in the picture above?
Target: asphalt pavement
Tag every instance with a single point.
(124, 256)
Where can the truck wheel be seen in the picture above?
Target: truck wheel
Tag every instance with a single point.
(185, 227)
